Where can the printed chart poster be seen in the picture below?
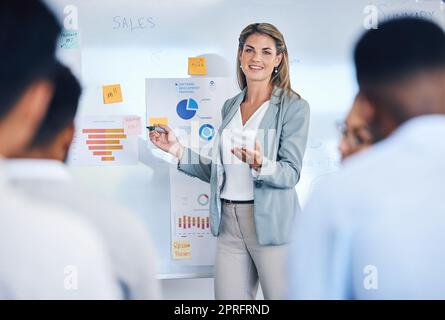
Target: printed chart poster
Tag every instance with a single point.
(105, 140)
(190, 220)
(192, 108)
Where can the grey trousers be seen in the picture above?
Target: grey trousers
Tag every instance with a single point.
(241, 263)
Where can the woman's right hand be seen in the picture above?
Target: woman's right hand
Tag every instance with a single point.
(167, 141)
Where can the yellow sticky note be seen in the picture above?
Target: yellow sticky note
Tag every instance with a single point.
(197, 66)
(112, 93)
(181, 249)
(163, 121)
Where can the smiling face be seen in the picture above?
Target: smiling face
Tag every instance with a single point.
(259, 57)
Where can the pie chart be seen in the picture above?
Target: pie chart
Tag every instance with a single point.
(186, 109)
(203, 199)
(206, 132)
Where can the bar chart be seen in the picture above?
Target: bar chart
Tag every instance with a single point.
(192, 225)
(103, 141)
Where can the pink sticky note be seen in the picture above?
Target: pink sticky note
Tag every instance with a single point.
(132, 125)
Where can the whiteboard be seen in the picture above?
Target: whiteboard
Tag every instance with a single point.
(128, 41)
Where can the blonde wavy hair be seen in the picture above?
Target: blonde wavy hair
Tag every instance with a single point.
(280, 79)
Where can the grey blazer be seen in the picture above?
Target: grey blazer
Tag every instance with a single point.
(283, 134)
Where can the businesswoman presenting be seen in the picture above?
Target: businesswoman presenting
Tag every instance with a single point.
(253, 199)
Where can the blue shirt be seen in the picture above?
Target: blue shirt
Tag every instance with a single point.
(376, 230)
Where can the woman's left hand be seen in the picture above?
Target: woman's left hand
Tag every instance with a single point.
(254, 158)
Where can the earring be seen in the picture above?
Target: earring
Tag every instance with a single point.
(276, 70)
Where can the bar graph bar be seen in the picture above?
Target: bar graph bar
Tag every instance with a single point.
(102, 130)
(102, 153)
(107, 136)
(103, 141)
(105, 147)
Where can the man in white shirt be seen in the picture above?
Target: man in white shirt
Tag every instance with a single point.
(40, 173)
(46, 252)
(376, 230)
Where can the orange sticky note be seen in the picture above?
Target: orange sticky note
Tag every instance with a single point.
(112, 93)
(181, 249)
(197, 66)
(163, 121)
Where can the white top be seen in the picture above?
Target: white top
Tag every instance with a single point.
(128, 244)
(376, 230)
(46, 252)
(238, 182)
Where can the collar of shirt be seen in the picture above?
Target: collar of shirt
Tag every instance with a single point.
(254, 117)
(430, 127)
(421, 133)
(36, 169)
